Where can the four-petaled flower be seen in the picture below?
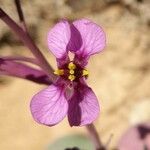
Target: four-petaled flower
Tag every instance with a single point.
(70, 95)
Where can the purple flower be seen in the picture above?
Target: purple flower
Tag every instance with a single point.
(70, 95)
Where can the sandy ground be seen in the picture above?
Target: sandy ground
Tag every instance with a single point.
(120, 76)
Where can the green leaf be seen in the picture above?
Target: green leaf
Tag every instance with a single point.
(72, 141)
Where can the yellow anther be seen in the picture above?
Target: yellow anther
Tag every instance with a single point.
(71, 71)
(85, 72)
(59, 72)
(71, 66)
(71, 77)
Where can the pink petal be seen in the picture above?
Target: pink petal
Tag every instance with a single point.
(92, 35)
(83, 107)
(49, 106)
(136, 138)
(58, 39)
(75, 42)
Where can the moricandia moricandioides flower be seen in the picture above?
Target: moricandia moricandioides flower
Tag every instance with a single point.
(70, 95)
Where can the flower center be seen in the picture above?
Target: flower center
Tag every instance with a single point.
(71, 72)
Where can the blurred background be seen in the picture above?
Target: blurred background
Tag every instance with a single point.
(120, 76)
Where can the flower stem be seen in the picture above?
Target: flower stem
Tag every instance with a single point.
(26, 39)
(21, 59)
(95, 137)
(20, 14)
(20, 70)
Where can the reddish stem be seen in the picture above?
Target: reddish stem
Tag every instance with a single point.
(15, 69)
(22, 59)
(95, 137)
(20, 14)
(26, 39)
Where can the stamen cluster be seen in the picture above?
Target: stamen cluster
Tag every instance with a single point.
(72, 72)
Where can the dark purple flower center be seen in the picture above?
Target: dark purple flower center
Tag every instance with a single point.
(72, 71)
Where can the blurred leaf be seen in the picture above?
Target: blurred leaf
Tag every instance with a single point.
(73, 141)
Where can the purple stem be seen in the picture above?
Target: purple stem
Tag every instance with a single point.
(26, 39)
(95, 137)
(21, 58)
(15, 69)
(20, 14)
